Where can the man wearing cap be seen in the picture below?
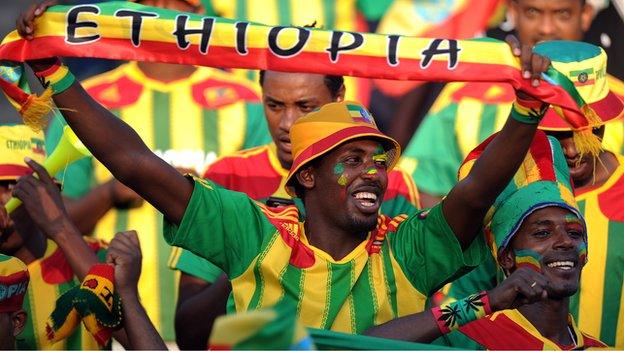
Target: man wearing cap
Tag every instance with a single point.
(41, 235)
(346, 266)
(13, 286)
(466, 113)
(536, 229)
(261, 173)
(598, 188)
(188, 116)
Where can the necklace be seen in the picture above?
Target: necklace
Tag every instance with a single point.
(572, 336)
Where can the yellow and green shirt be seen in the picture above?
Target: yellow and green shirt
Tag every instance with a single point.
(50, 277)
(258, 173)
(598, 306)
(267, 257)
(464, 115)
(188, 123)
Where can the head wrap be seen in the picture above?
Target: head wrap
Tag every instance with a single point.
(324, 129)
(13, 283)
(542, 180)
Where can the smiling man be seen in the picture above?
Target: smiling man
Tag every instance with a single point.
(534, 224)
(346, 266)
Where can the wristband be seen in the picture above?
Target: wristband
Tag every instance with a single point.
(528, 112)
(452, 315)
(57, 77)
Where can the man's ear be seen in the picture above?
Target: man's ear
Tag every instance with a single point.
(305, 177)
(507, 259)
(18, 319)
(587, 17)
(341, 94)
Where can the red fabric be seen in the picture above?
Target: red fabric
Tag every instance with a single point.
(127, 92)
(610, 201)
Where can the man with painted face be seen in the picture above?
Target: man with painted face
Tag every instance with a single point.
(261, 173)
(598, 187)
(333, 264)
(466, 113)
(13, 285)
(534, 227)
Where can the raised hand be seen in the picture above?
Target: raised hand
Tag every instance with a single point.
(124, 252)
(42, 200)
(522, 287)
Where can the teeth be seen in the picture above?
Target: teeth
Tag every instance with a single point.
(365, 195)
(561, 264)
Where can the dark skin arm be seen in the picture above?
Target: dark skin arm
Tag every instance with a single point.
(513, 292)
(113, 142)
(86, 211)
(199, 304)
(124, 252)
(42, 200)
(467, 203)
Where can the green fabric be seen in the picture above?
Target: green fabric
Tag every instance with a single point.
(418, 245)
(331, 340)
(459, 340)
(373, 10)
(434, 147)
(198, 267)
(484, 277)
(80, 173)
(232, 214)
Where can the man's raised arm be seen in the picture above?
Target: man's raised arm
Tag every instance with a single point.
(113, 142)
(468, 202)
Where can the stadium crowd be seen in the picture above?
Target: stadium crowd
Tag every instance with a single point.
(268, 209)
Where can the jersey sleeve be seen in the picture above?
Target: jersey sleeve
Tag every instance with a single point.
(435, 153)
(77, 178)
(429, 253)
(484, 277)
(257, 132)
(189, 263)
(225, 227)
(401, 195)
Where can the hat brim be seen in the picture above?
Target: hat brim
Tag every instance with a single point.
(13, 172)
(608, 109)
(332, 141)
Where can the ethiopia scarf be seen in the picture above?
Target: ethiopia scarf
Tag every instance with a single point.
(128, 31)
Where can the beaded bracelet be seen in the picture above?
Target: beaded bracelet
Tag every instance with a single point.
(58, 77)
(452, 315)
(528, 112)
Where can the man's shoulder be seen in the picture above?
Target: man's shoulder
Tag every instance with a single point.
(485, 92)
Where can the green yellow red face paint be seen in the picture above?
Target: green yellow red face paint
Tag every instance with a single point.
(529, 259)
(339, 168)
(582, 252)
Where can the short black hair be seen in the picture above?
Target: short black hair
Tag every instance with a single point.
(333, 83)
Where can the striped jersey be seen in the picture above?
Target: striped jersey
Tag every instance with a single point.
(327, 14)
(510, 330)
(50, 277)
(463, 116)
(599, 305)
(258, 173)
(267, 257)
(188, 123)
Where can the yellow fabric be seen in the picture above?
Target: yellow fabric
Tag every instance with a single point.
(17, 142)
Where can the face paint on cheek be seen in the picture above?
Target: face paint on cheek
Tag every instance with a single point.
(529, 259)
(582, 252)
(371, 170)
(342, 181)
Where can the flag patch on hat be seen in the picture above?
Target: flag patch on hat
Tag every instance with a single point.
(360, 114)
(582, 77)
